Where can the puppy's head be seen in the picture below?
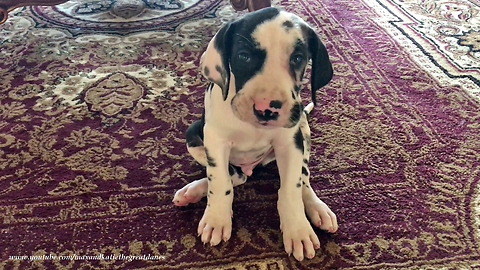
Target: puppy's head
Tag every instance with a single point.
(263, 57)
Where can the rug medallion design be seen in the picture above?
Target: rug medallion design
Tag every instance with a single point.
(95, 97)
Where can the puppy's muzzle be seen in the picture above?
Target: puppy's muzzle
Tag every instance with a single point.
(267, 110)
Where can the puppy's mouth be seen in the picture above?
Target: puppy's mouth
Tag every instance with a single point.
(266, 115)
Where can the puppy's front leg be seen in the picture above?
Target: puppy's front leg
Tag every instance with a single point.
(216, 223)
(298, 235)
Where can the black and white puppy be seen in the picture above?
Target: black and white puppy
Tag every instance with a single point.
(253, 115)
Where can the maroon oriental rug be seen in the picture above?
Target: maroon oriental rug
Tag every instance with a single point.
(95, 97)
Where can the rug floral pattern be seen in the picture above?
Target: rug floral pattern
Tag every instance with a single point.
(92, 149)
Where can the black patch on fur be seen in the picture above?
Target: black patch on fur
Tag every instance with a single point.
(223, 44)
(299, 185)
(322, 71)
(223, 73)
(210, 86)
(245, 45)
(305, 30)
(228, 192)
(209, 177)
(253, 19)
(305, 161)
(206, 71)
(298, 138)
(234, 169)
(297, 88)
(303, 182)
(242, 70)
(238, 170)
(305, 171)
(210, 192)
(194, 133)
(302, 74)
(287, 25)
(293, 95)
(210, 160)
(296, 112)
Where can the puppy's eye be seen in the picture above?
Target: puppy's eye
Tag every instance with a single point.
(296, 60)
(244, 57)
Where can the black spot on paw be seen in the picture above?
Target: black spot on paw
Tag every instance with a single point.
(228, 192)
(210, 192)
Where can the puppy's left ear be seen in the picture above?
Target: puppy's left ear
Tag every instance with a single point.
(322, 71)
(215, 62)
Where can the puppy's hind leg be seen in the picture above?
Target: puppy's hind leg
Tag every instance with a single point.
(196, 190)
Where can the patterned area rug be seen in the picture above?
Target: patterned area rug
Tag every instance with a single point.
(95, 97)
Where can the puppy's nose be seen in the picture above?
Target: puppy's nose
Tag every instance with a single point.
(267, 110)
(264, 105)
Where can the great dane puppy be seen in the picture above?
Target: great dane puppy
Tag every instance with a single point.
(253, 115)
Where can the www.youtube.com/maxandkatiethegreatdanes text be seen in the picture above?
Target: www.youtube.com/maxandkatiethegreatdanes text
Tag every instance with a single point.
(83, 258)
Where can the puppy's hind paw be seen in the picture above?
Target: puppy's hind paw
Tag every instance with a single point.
(191, 193)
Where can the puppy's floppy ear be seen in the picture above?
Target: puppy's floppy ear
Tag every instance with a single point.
(322, 71)
(215, 61)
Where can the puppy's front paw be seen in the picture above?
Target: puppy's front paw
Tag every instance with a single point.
(215, 225)
(321, 215)
(300, 239)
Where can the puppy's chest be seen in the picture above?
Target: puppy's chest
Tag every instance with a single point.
(249, 152)
(246, 157)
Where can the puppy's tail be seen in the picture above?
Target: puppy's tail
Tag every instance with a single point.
(308, 108)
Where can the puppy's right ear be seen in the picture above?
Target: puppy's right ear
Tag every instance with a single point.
(215, 61)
